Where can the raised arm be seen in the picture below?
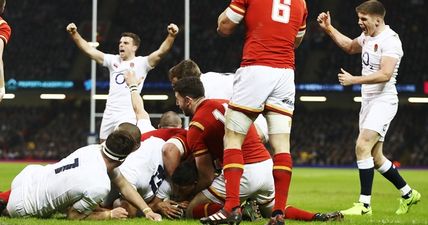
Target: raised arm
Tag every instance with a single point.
(156, 56)
(137, 101)
(131, 195)
(348, 45)
(92, 52)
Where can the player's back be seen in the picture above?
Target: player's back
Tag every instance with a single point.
(82, 174)
(272, 26)
(163, 133)
(209, 118)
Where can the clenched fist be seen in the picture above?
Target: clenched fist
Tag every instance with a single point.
(172, 29)
(71, 28)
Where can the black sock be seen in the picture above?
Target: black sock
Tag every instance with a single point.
(394, 177)
(366, 181)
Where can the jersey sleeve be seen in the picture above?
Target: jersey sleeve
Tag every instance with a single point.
(146, 65)
(197, 146)
(236, 10)
(108, 60)
(164, 191)
(302, 28)
(391, 47)
(145, 125)
(90, 200)
(360, 39)
(5, 31)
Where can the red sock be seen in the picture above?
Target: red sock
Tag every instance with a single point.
(298, 214)
(282, 167)
(206, 209)
(233, 167)
(5, 196)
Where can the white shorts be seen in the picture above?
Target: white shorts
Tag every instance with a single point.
(21, 191)
(256, 183)
(377, 113)
(112, 119)
(259, 88)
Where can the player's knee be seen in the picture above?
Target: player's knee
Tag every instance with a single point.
(237, 121)
(278, 123)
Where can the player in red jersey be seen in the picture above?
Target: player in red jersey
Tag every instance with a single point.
(5, 32)
(263, 84)
(205, 140)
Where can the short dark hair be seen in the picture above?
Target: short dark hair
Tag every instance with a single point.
(134, 131)
(186, 68)
(190, 86)
(170, 119)
(371, 7)
(185, 174)
(120, 142)
(135, 38)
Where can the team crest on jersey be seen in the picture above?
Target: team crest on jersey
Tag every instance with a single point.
(131, 64)
(375, 47)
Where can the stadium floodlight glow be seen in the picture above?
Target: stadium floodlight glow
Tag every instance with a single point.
(100, 97)
(94, 44)
(357, 99)
(155, 97)
(9, 96)
(313, 98)
(52, 96)
(418, 100)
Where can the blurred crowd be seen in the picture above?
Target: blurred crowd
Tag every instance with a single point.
(320, 137)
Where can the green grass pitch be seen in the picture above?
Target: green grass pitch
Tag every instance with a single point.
(313, 189)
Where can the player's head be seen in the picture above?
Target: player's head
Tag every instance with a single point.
(170, 119)
(134, 131)
(119, 144)
(2, 6)
(186, 68)
(188, 92)
(128, 45)
(371, 15)
(184, 180)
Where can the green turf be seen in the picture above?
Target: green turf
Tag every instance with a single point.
(312, 189)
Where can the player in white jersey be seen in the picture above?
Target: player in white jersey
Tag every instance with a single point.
(118, 106)
(216, 86)
(78, 183)
(144, 170)
(381, 53)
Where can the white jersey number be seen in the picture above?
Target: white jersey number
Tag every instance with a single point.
(281, 11)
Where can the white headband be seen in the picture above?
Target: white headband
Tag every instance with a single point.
(110, 154)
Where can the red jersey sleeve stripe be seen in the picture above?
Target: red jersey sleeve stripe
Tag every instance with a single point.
(197, 124)
(200, 152)
(237, 9)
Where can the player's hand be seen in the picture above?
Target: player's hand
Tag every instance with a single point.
(345, 78)
(119, 213)
(153, 216)
(324, 20)
(131, 78)
(71, 28)
(171, 209)
(173, 29)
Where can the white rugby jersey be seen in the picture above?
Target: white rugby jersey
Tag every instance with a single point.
(387, 43)
(119, 97)
(79, 180)
(218, 85)
(143, 168)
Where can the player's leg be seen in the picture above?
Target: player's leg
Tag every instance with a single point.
(384, 166)
(108, 123)
(279, 110)
(365, 142)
